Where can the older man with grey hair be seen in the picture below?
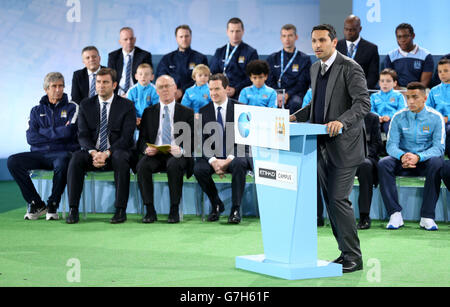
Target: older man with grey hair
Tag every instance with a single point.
(52, 136)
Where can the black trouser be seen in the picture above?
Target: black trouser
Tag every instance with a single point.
(445, 174)
(175, 168)
(336, 184)
(20, 164)
(81, 162)
(238, 169)
(366, 176)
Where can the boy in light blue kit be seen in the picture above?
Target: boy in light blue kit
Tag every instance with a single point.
(143, 94)
(197, 95)
(439, 98)
(258, 94)
(387, 101)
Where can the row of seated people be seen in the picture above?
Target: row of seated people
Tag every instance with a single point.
(103, 126)
(289, 67)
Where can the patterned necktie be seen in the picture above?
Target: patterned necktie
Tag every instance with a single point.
(104, 129)
(166, 131)
(220, 121)
(324, 69)
(92, 89)
(351, 50)
(128, 74)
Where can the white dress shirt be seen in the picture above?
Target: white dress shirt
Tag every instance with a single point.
(171, 107)
(124, 71)
(356, 43)
(330, 61)
(223, 112)
(91, 77)
(108, 108)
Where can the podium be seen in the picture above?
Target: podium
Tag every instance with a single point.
(286, 184)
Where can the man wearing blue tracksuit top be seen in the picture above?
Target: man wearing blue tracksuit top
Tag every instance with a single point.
(52, 136)
(233, 58)
(196, 97)
(415, 145)
(260, 97)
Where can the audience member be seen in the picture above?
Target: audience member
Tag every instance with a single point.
(161, 125)
(224, 157)
(83, 81)
(126, 60)
(51, 134)
(386, 102)
(197, 96)
(415, 146)
(289, 70)
(435, 80)
(258, 94)
(363, 52)
(308, 97)
(232, 58)
(180, 63)
(439, 98)
(411, 62)
(106, 123)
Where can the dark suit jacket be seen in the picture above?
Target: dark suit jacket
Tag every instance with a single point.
(80, 85)
(115, 61)
(209, 115)
(121, 123)
(367, 56)
(346, 100)
(150, 125)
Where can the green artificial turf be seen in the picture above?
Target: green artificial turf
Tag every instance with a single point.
(195, 253)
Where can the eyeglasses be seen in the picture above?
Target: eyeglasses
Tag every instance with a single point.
(163, 87)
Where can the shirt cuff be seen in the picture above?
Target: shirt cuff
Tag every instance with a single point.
(211, 160)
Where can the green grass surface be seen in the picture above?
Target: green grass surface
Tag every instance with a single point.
(195, 253)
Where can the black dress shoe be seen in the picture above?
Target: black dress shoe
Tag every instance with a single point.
(320, 221)
(216, 210)
(235, 217)
(174, 215)
(119, 217)
(73, 216)
(364, 223)
(352, 266)
(339, 260)
(150, 217)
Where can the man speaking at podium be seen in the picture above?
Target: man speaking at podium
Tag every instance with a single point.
(340, 101)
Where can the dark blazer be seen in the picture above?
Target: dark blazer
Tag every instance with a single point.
(347, 100)
(209, 115)
(80, 85)
(115, 61)
(367, 56)
(121, 123)
(150, 125)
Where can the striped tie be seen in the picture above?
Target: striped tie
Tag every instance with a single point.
(128, 74)
(166, 133)
(104, 129)
(92, 89)
(220, 121)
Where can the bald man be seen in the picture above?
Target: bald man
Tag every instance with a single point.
(363, 52)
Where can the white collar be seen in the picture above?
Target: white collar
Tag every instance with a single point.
(223, 105)
(171, 106)
(108, 100)
(126, 54)
(330, 60)
(404, 53)
(94, 72)
(356, 42)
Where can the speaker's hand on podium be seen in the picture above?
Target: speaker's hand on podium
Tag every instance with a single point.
(334, 127)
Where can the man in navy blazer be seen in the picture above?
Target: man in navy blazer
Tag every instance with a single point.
(222, 156)
(118, 60)
(363, 52)
(106, 124)
(83, 80)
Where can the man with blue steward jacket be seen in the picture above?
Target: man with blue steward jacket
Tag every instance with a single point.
(52, 136)
(415, 144)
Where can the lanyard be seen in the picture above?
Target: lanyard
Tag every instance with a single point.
(228, 58)
(282, 71)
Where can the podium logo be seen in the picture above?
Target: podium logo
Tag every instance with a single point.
(278, 175)
(268, 173)
(244, 124)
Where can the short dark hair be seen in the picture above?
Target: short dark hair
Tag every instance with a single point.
(405, 26)
(90, 48)
(257, 67)
(235, 20)
(444, 61)
(391, 72)
(327, 27)
(184, 27)
(108, 71)
(221, 77)
(288, 27)
(416, 86)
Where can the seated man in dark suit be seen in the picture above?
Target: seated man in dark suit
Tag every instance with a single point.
(106, 124)
(160, 125)
(126, 60)
(363, 52)
(224, 157)
(180, 63)
(83, 81)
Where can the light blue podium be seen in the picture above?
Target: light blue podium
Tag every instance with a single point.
(286, 183)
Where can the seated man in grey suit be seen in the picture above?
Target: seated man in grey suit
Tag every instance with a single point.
(223, 157)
